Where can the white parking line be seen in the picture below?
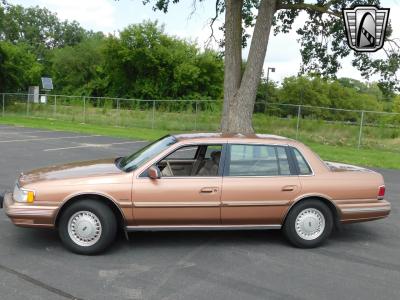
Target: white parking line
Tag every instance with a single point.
(25, 132)
(93, 146)
(46, 139)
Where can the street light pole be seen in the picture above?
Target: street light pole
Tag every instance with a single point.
(266, 87)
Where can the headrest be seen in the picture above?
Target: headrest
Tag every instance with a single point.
(216, 156)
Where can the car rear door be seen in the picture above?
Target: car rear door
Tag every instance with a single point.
(258, 184)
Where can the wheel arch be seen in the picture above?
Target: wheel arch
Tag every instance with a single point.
(324, 199)
(95, 196)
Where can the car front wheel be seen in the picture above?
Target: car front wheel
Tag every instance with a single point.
(87, 227)
(308, 224)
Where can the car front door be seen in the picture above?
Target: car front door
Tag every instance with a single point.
(187, 193)
(258, 184)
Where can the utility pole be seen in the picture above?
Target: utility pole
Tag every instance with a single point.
(266, 87)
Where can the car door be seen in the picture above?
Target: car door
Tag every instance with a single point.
(177, 198)
(257, 184)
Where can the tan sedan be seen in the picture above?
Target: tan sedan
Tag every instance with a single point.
(198, 182)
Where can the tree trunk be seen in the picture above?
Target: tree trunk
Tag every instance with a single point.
(233, 57)
(240, 103)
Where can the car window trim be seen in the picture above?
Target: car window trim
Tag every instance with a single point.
(293, 165)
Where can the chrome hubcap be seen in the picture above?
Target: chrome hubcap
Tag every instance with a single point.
(310, 224)
(84, 228)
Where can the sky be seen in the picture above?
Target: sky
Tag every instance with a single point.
(185, 21)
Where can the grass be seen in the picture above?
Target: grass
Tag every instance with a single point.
(379, 158)
(378, 132)
(362, 157)
(130, 133)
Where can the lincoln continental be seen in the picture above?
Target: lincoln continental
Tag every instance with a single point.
(198, 182)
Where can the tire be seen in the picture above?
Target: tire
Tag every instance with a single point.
(87, 227)
(308, 224)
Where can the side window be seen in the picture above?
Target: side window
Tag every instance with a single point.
(199, 160)
(304, 168)
(183, 153)
(258, 160)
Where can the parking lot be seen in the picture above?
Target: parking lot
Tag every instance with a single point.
(361, 261)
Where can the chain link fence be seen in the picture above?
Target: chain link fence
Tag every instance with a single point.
(333, 126)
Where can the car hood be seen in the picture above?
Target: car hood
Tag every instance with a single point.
(72, 170)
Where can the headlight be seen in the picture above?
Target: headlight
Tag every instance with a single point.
(23, 195)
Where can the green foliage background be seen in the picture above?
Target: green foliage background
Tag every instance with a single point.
(143, 62)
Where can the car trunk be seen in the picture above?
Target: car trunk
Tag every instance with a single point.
(340, 167)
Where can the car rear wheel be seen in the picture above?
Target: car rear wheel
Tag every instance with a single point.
(308, 224)
(87, 227)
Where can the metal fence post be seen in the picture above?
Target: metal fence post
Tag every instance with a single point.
(2, 112)
(84, 109)
(55, 104)
(154, 114)
(195, 117)
(118, 113)
(298, 120)
(27, 105)
(361, 128)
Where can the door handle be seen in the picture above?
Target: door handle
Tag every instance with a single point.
(208, 190)
(289, 188)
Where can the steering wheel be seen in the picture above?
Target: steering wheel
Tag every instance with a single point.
(170, 169)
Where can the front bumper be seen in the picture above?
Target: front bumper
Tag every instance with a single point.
(358, 212)
(29, 215)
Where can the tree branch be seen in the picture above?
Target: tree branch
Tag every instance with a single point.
(212, 36)
(394, 42)
(311, 7)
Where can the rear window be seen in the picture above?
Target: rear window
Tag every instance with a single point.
(304, 168)
(258, 160)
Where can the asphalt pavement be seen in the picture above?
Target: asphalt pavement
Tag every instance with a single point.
(361, 261)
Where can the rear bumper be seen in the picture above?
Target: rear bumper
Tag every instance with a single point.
(366, 211)
(28, 215)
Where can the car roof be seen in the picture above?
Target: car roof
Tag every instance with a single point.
(235, 137)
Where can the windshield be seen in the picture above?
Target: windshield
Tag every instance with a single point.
(137, 159)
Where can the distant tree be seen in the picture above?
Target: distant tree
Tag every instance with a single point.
(37, 27)
(79, 69)
(316, 91)
(146, 63)
(18, 67)
(266, 94)
(39, 31)
(305, 90)
(371, 88)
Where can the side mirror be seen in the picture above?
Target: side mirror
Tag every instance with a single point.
(154, 172)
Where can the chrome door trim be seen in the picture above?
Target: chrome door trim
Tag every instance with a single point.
(210, 203)
(256, 203)
(176, 204)
(200, 227)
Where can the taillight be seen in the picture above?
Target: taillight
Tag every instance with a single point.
(381, 192)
